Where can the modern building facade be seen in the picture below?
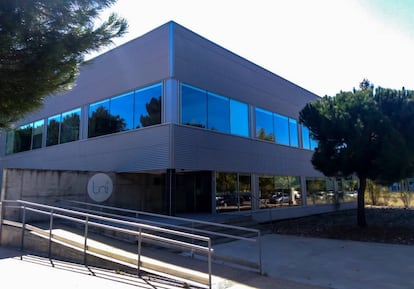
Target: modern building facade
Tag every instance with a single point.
(179, 125)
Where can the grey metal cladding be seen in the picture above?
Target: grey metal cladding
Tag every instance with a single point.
(135, 64)
(205, 64)
(200, 149)
(135, 150)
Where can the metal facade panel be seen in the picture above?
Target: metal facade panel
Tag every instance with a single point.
(202, 63)
(201, 149)
(139, 62)
(135, 150)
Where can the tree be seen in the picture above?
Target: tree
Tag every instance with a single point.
(42, 43)
(356, 137)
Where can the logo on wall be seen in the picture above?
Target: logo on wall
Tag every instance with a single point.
(100, 187)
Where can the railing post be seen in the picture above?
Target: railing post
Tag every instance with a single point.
(85, 244)
(1, 219)
(23, 229)
(209, 262)
(139, 251)
(50, 234)
(259, 240)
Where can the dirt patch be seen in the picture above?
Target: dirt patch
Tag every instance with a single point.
(385, 225)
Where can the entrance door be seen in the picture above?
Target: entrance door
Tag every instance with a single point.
(193, 192)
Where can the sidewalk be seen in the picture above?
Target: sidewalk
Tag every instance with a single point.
(289, 263)
(333, 263)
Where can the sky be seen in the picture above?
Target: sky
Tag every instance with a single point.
(324, 46)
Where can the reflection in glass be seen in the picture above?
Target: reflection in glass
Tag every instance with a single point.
(218, 116)
(23, 138)
(281, 129)
(148, 106)
(70, 126)
(239, 118)
(264, 125)
(52, 131)
(10, 136)
(317, 191)
(122, 107)
(306, 144)
(101, 122)
(277, 191)
(37, 134)
(293, 132)
(233, 192)
(193, 106)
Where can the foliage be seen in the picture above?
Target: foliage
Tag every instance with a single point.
(42, 43)
(357, 134)
(101, 122)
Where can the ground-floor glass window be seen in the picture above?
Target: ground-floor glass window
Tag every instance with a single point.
(233, 192)
(278, 191)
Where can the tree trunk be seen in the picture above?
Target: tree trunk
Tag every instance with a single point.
(362, 222)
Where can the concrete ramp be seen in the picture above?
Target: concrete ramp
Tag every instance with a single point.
(108, 251)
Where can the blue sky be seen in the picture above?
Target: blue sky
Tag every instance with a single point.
(322, 45)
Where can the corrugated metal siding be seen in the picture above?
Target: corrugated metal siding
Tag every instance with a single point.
(200, 149)
(138, 63)
(137, 150)
(202, 63)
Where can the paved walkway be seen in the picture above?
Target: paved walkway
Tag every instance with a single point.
(289, 263)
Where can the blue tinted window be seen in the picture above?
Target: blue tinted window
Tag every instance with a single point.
(70, 126)
(53, 130)
(305, 138)
(239, 118)
(148, 106)
(100, 120)
(193, 106)
(293, 128)
(122, 108)
(10, 141)
(37, 134)
(264, 125)
(23, 138)
(281, 129)
(218, 116)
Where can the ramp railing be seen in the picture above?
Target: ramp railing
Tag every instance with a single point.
(200, 227)
(29, 213)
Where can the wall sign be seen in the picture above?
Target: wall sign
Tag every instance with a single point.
(100, 187)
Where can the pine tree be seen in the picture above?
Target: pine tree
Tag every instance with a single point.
(42, 44)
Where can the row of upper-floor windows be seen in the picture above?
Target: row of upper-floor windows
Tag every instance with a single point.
(142, 108)
(135, 109)
(205, 109)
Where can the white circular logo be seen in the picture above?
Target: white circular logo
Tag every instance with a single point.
(100, 187)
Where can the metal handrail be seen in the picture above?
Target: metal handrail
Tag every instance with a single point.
(256, 239)
(77, 216)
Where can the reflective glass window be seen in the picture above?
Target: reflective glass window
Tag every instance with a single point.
(281, 129)
(193, 106)
(23, 138)
(239, 118)
(37, 134)
(218, 116)
(264, 125)
(293, 132)
(122, 108)
(148, 106)
(100, 120)
(10, 141)
(53, 130)
(70, 126)
(305, 138)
